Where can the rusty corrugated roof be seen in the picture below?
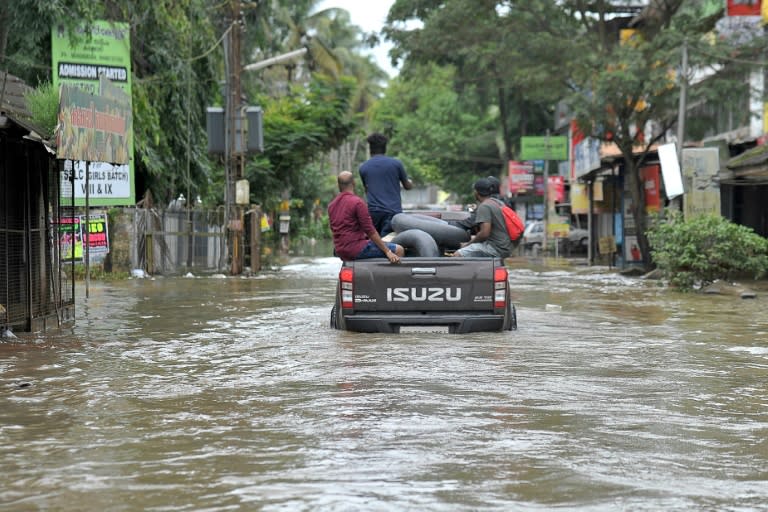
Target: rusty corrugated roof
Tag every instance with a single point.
(610, 151)
(13, 105)
(755, 157)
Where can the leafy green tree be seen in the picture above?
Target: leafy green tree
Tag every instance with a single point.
(25, 25)
(527, 55)
(441, 136)
(175, 65)
(707, 248)
(627, 92)
(292, 26)
(335, 47)
(178, 68)
(495, 49)
(298, 130)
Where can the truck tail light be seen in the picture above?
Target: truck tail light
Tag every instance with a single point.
(500, 276)
(346, 278)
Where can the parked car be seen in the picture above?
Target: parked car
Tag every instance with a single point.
(533, 238)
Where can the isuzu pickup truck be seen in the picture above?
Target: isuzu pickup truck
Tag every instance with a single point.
(445, 295)
(424, 294)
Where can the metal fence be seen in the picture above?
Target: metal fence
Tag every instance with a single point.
(173, 242)
(36, 285)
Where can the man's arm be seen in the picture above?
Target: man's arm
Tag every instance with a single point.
(362, 179)
(376, 238)
(407, 183)
(483, 222)
(482, 234)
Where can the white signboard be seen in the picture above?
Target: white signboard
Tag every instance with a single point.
(670, 170)
(104, 180)
(701, 167)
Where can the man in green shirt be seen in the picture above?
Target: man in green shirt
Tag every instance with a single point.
(491, 238)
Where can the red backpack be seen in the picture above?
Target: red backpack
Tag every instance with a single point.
(515, 225)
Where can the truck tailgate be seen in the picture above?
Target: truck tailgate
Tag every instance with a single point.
(424, 284)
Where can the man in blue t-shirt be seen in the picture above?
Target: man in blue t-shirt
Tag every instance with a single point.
(382, 176)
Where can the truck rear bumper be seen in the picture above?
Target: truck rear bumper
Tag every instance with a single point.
(455, 324)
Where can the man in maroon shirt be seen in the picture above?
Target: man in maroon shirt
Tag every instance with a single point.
(354, 236)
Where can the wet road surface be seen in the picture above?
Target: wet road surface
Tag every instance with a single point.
(234, 394)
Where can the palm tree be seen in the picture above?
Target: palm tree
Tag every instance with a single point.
(335, 48)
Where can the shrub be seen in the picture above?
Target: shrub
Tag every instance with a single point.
(318, 229)
(699, 251)
(43, 106)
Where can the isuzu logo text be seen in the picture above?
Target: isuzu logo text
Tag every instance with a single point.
(435, 294)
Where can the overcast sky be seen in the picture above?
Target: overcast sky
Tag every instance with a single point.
(369, 15)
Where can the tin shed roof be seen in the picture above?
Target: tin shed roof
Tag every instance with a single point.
(13, 105)
(757, 156)
(750, 167)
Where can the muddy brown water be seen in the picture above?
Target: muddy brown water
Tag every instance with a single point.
(215, 394)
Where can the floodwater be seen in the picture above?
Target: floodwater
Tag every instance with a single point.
(214, 394)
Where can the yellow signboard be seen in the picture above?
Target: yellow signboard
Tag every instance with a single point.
(558, 230)
(94, 128)
(607, 245)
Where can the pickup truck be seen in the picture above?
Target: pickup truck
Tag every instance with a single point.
(424, 294)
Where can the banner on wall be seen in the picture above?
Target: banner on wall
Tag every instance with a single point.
(98, 235)
(651, 186)
(520, 177)
(579, 199)
(72, 237)
(585, 153)
(743, 7)
(556, 189)
(631, 250)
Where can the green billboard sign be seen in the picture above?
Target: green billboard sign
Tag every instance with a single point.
(544, 148)
(104, 51)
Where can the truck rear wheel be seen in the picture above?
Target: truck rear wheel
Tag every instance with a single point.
(334, 322)
(510, 319)
(337, 321)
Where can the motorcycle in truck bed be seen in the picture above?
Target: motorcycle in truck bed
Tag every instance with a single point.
(424, 294)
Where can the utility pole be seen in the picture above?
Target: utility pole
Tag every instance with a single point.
(233, 139)
(545, 216)
(682, 106)
(233, 132)
(676, 203)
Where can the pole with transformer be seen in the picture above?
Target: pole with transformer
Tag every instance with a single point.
(237, 130)
(233, 142)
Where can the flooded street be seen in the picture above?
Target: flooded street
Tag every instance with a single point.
(220, 394)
